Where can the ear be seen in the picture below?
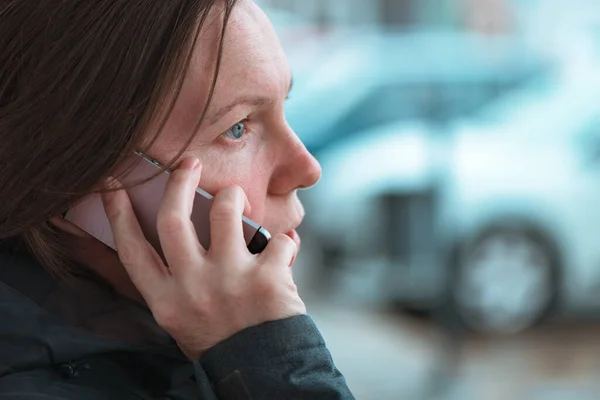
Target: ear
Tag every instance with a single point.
(66, 226)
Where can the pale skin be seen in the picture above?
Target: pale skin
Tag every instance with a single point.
(255, 168)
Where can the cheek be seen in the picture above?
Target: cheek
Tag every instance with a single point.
(258, 201)
(249, 168)
(254, 180)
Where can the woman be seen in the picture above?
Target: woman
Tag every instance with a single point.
(199, 85)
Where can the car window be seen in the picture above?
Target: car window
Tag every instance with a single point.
(433, 103)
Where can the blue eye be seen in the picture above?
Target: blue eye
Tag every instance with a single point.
(236, 131)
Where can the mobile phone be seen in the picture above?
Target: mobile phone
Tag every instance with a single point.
(89, 214)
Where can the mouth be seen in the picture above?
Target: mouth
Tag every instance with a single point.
(293, 233)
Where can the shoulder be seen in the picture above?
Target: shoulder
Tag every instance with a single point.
(49, 384)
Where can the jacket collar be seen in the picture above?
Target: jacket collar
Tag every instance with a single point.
(47, 322)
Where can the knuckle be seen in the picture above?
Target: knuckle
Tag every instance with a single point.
(171, 223)
(167, 317)
(285, 240)
(292, 287)
(113, 212)
(129, 252)
(224, 210)
(285, 243)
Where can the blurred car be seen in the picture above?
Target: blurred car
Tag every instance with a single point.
(375, 208)
(350, 83)
(498, 216)
(520, 200)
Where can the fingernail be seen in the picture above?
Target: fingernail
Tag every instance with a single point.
(191, 163)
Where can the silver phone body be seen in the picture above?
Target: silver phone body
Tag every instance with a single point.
(89, 214)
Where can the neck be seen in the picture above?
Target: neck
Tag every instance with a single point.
(105, 263)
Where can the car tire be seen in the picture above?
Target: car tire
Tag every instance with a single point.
(506, 279)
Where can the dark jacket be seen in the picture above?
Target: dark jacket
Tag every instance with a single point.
(79, 340)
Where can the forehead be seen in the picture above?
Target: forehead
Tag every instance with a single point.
(253, 62)
(252, 50)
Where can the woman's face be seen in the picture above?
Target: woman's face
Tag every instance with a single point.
(245, 139)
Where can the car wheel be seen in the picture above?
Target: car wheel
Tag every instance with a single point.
(506, 280)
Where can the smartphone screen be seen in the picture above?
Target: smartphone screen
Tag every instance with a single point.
(89, 214)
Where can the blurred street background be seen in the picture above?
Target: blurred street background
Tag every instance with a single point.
(452, 247)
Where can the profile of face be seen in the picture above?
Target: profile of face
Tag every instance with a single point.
(244, 139)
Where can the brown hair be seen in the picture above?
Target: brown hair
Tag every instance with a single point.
(81, 83)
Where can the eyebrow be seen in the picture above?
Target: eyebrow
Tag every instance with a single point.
(255, 101)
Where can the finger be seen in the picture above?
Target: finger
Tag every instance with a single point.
(281, 251)
(136, 254)
(226, 230)
(247, 207)
(176, 232)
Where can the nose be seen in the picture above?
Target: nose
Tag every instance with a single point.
(296, 169)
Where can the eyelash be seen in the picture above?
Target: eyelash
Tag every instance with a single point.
(242, 139)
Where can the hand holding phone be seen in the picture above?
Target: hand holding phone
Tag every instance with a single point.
(204, 296)
(145, 199)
